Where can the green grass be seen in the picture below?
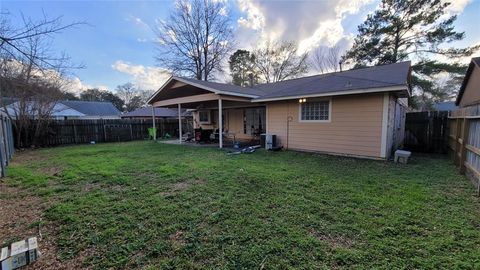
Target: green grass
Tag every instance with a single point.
(151, 205)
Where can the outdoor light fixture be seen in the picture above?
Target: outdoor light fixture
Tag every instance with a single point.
(302, 100)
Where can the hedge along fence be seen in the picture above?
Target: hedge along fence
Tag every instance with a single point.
(76, 131)
(465, 142)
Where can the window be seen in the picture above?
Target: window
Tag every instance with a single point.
(315, 111)
(204, 117)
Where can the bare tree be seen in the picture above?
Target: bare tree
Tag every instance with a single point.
(133, 98)
(280, 61)
(31, 74)
(15, 42)
(195, 39)
(326, 59)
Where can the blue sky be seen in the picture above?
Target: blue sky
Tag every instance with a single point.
(117, 45)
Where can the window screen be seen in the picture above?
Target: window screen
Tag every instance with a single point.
(315, 111)
(203, 116)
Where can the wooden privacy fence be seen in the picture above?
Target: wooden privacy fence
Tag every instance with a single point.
(465, 142)
(426, 132)
(61, 132)
(6, 143)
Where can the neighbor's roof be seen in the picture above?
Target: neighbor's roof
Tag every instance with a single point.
(445, 106)
(159, 112)
(390, 77)
(475, 62)
(92, 108)
(8, 100)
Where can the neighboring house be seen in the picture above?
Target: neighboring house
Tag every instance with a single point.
(469, 93)
(445, 106)
(7, 101)
(357, 112)
(67, 109)
(94, 109)
(160, 113)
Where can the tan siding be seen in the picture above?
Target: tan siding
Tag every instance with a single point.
(233, 122)
(355, 127)
(472, 90)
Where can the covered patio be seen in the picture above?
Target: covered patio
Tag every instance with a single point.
(225, 112)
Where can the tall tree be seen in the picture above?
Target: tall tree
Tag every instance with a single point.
(96, 94)
(31, 73)
(195, 39)
(280, 61)
(133, 98)
(411, 30)
(325, 59)
(242, 64)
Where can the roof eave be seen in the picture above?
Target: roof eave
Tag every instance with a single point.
(339, 93)
(149, 101)
(215, 91)
(470, 69)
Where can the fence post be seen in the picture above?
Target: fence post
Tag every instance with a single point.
(74, 132)
(104, 131)
(457, 141)
(463, 149)
(131, 131)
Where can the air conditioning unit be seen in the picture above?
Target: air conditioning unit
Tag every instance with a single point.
(270, 141)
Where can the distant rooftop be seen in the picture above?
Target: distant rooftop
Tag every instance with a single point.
(159, 112)
(445, 106)
(92, 108)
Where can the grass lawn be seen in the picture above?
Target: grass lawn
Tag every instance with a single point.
(157, 206)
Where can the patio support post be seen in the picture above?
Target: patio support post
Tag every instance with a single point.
(153, 121)
(179, 122)
(220, 124)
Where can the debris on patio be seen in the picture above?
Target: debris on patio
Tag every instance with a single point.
(246, 150)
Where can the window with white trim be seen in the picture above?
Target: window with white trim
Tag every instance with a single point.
(204, 117)
(315, 111)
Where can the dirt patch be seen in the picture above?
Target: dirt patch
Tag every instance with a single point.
(22, 217)
(334, 241)
(182, 186)
(51, 170)
(27, 156)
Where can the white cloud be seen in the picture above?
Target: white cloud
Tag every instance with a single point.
(255, 19)
(76, 86)
(457, 6)
(330, 32)
(136, 20)
(144, 77)
(310, 23)
(350, 7)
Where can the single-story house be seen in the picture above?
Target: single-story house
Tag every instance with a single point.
(158, 113)
(70, 109)
(469, 93)
(358, 112)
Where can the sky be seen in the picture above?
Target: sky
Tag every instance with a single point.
(116, 44)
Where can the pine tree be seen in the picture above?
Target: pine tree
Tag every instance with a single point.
(416, 30)
(242, 64)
